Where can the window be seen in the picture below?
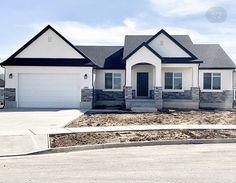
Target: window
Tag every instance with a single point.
(234, 93)
(112, 80)
(212, 81)
(173, 80)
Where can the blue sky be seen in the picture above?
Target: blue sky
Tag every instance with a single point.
(107, 21)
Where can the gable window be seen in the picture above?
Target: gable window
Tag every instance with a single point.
(173, 80)
(212, 81)
(112, 80)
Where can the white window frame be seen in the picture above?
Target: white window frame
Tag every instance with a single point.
(173, 90)
(113, 76)
(212, 90)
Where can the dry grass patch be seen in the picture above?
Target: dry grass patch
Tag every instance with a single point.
(176, 117)
(64, 140)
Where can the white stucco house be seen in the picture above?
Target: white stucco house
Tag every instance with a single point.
(148, 71)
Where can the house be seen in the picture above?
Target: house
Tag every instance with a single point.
(149, 72)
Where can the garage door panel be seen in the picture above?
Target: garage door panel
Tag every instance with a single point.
(49, 90)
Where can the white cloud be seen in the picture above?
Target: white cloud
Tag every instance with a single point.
(178, 8)
(83, 34)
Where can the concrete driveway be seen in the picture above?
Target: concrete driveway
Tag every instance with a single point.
(25, 121)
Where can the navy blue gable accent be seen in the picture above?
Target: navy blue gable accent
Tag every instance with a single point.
(48, 62)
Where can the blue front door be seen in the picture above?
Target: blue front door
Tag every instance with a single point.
(142, 84)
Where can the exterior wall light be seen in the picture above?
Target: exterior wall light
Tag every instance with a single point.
(10, 76)
(85, 76)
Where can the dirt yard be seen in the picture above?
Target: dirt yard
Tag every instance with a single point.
(64, 140)
(173, 117)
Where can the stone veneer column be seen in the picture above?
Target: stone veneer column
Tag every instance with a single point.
(157, 95)
(10, 97)
(195, 94)
(86, 98)
(128, 96)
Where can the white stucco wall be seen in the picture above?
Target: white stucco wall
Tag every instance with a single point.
(168, 49)
(42, 48)
(143, 55)
(16, 70)
(99, 80)
(186, 76)
(226, 79)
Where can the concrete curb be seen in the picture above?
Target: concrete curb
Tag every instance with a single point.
(25, 154)
(136, 144)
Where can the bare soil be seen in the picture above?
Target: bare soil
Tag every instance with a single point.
(174, 117)
(64, 140)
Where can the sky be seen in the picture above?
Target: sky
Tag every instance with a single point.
(106, 22)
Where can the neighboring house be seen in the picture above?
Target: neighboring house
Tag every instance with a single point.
(234, 88)
(2, 83)
(160, 71)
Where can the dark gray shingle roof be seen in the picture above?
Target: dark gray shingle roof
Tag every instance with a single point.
(104, 56)
(212, 55)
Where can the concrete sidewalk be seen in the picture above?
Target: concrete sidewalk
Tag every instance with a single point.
(132, 128)
(17, 136)
(12, 145)
(36, 139)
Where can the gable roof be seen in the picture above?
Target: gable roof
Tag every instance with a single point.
(162, 31)
(15, 61)
(211, 55)
(111, 57)
(108, 57)
(144, 44)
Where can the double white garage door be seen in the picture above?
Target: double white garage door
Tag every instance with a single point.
(49, 90)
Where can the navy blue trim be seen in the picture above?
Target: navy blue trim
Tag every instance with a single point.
(140, 46)
(36, 37)
(49, 62)
(216, 68)
(153, 51)
(174, 40)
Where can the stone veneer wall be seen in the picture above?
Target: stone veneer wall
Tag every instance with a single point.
(10, 97)
(157, 96)
(186, 94)
(234, 104)
(108, 98)
(222, 100)
(86, 98)
(109, 95)
(128, 96)
(1, 96)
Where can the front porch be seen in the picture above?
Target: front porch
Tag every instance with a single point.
(148, 91)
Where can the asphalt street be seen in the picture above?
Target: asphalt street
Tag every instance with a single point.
(206, 163)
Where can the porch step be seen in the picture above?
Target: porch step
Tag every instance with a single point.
(144, 109)
(143, 103)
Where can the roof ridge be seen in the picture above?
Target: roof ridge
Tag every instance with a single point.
(100, 45)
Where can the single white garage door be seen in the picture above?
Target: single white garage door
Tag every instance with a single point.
(49, 90)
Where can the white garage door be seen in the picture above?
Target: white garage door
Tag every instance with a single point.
(49, 90)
